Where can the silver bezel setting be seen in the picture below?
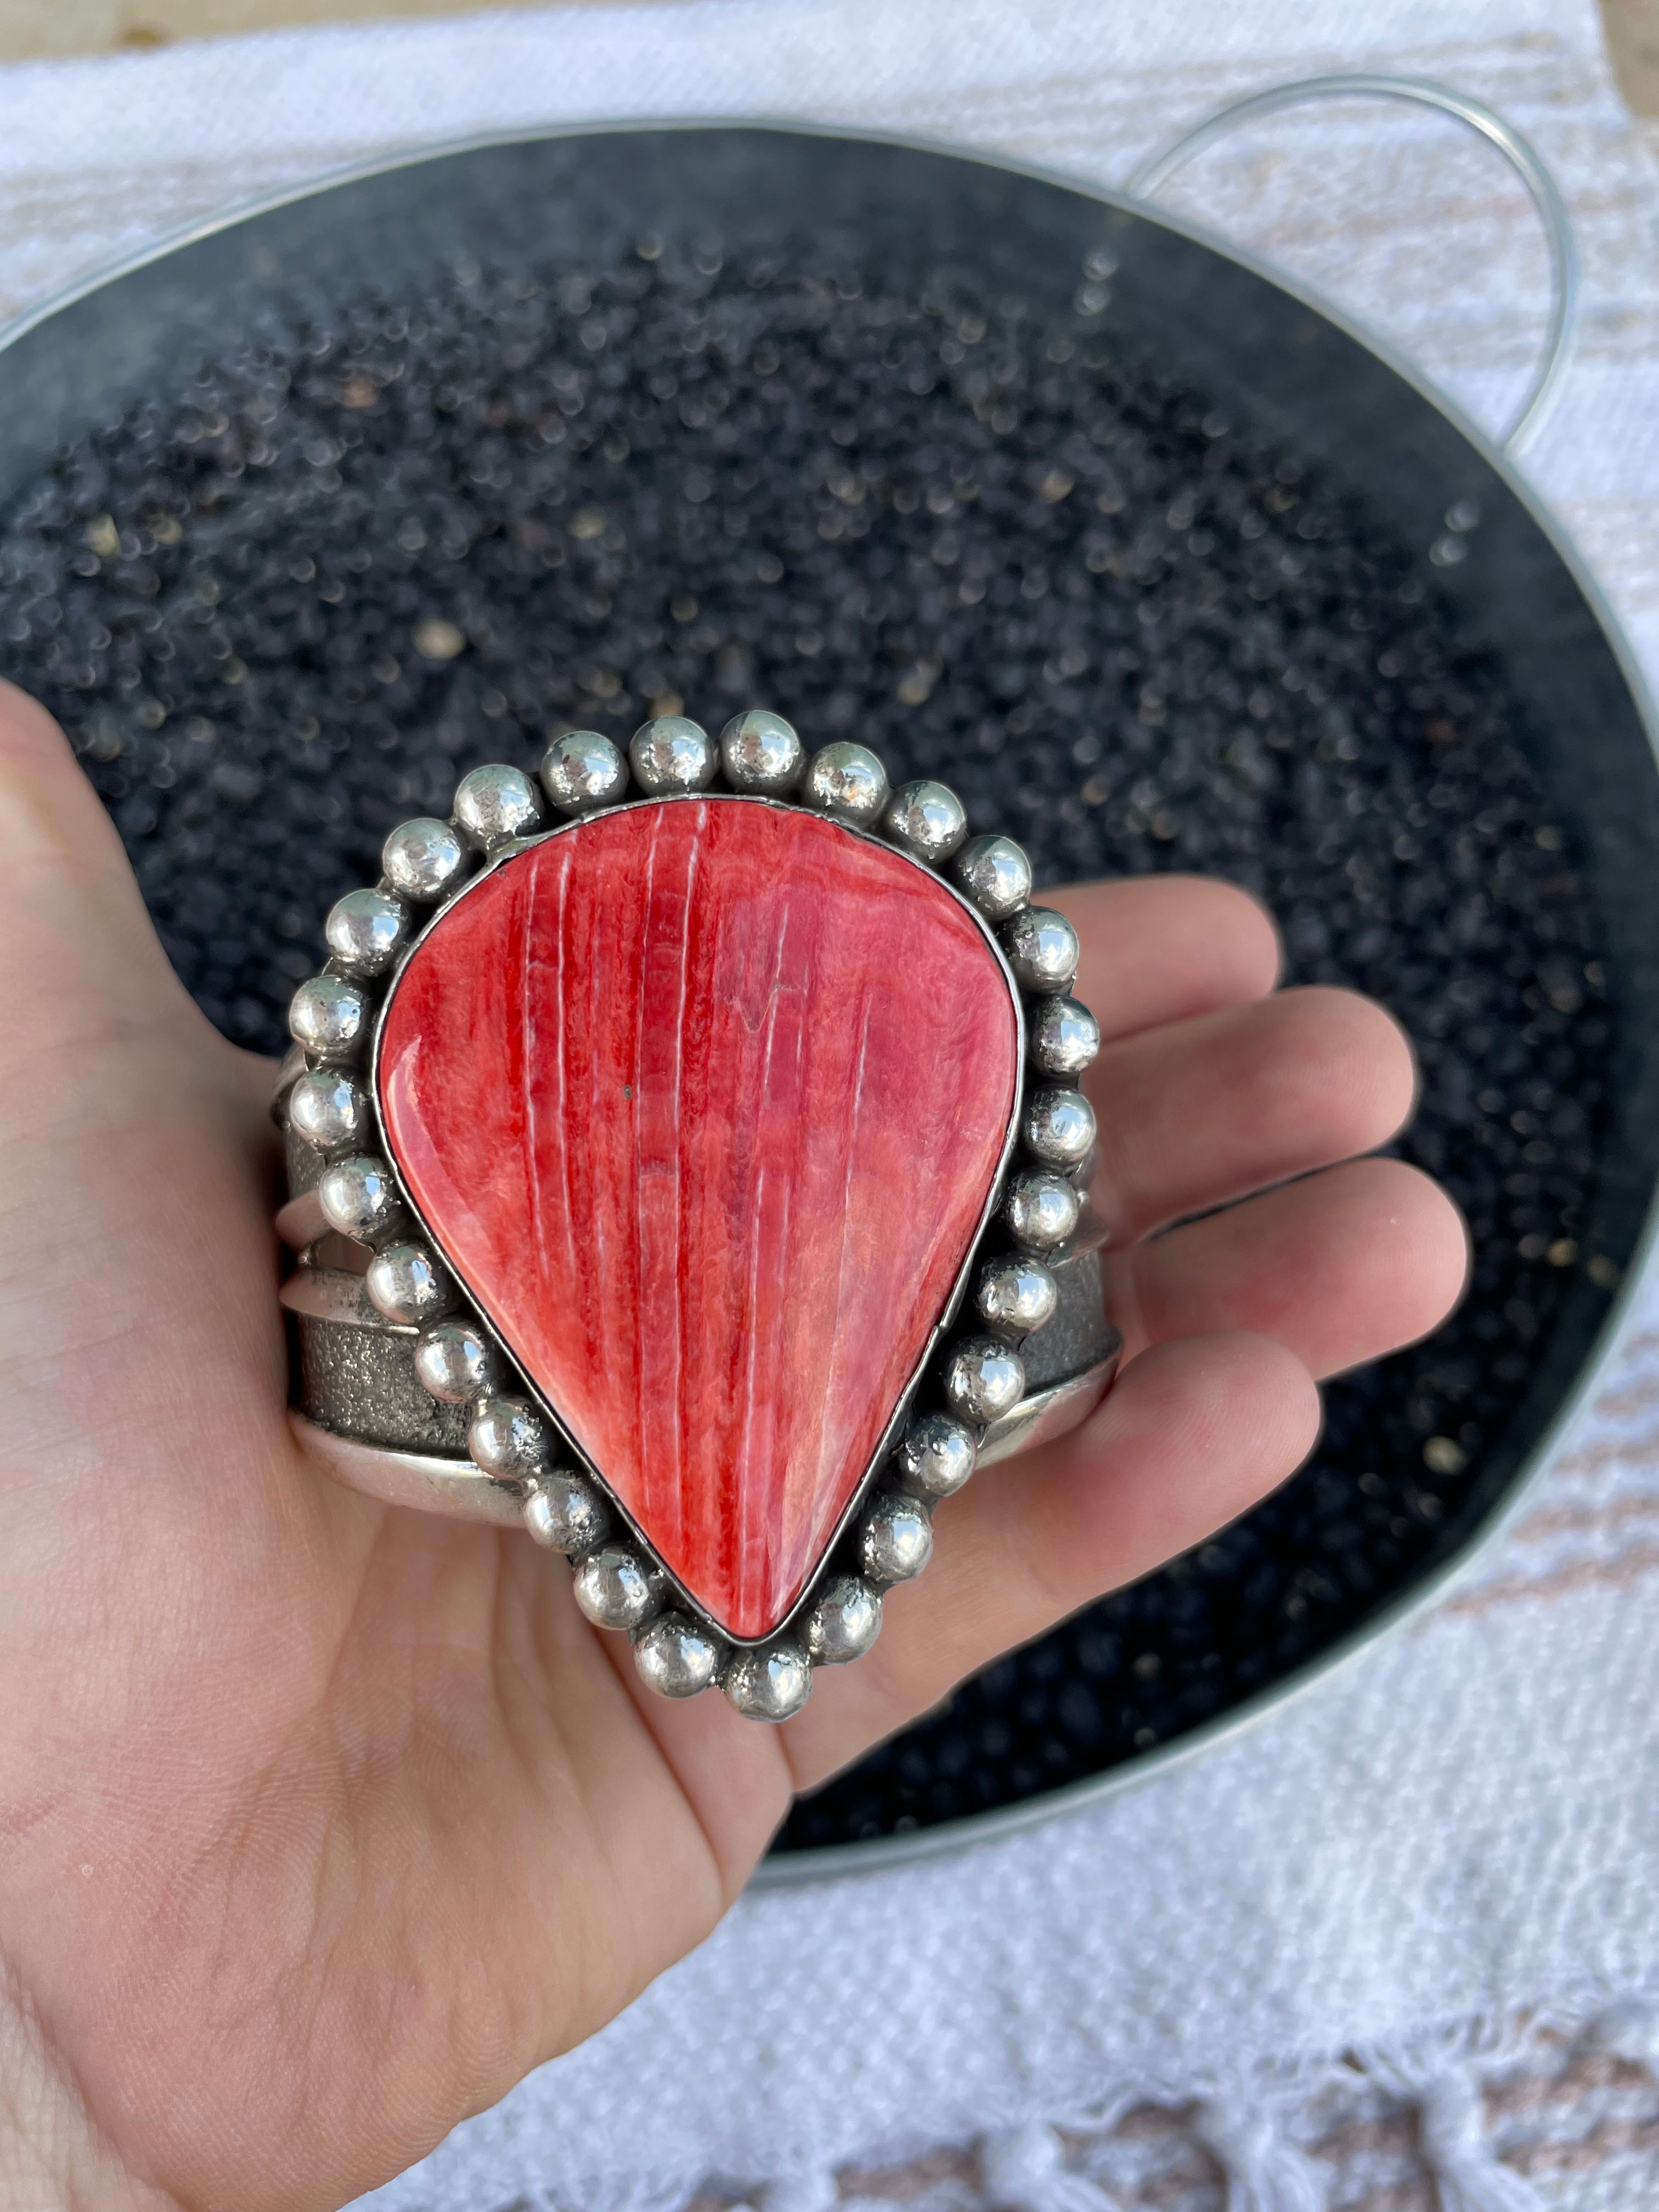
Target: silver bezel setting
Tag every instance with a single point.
(969, 1374)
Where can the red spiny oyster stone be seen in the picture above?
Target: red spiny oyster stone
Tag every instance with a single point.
(703, 1101)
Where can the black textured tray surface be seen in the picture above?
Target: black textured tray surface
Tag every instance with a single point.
(284, 604)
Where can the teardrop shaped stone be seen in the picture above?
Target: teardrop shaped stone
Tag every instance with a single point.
(703, 1102)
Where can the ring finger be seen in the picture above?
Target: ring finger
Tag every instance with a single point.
(1338, 1267)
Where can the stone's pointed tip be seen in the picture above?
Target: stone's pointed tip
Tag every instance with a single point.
(703, 1105)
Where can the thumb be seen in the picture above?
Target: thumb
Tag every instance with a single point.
(81, 955)
(133, 1138)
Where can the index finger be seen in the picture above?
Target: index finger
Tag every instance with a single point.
(1161, 949)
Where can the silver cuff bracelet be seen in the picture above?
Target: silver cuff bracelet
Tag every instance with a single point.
(696, 1181)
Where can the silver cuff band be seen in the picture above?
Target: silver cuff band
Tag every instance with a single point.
(399, 1388)
(362, 1415)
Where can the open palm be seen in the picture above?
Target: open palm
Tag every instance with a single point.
(322, 1822)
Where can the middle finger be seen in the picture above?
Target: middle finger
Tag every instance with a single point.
(1201, 1112)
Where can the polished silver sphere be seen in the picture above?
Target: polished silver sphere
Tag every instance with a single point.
(508, 1438)
(770, 1684)
(455, 1361)
(366, 931)
(406, 1284)
(843, 1622)
(896, 1539)
(672, 753)
(675, 1657)
(1042, 947)
(846, 780)
(358, 1198)
(1059, 1127)
(328, 1017)
(760, 751)
(994, 874)
(583, 769)
(565, 1511)
(614, 1588)
(422, 859)
(927, 819)
(1041, 1210)
(1014, 1297)
(937, 1456)
(984, 1379)
(328, 1109)
(496, 803)
(1065, 1036)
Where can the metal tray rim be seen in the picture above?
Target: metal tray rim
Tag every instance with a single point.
(837, 1862)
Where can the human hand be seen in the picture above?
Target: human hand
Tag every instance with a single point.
(322, 1822)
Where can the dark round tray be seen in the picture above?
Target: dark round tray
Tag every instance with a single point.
(911, 219)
